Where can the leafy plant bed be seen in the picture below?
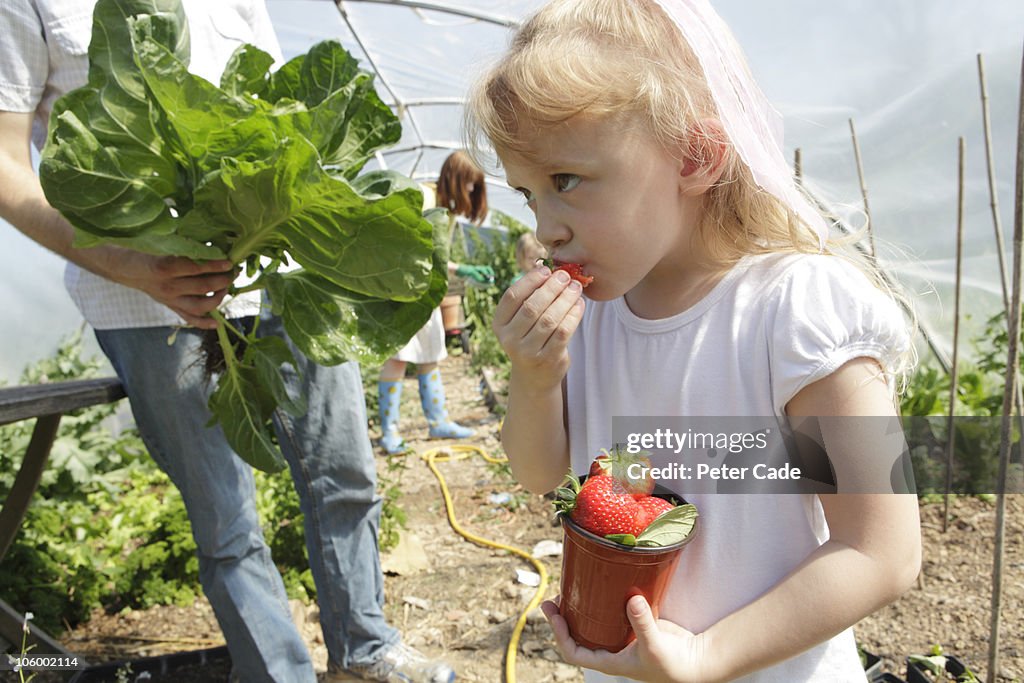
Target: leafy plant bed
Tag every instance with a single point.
(470, 627)
(937, 667)
(886, 677)
(198, 666)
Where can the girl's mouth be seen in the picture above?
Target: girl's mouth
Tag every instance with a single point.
(575, 271)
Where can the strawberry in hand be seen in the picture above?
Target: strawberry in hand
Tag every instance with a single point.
(575, 271)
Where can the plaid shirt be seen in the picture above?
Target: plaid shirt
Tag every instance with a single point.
(44, 54)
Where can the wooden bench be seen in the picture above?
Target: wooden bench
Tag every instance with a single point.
(47, 403)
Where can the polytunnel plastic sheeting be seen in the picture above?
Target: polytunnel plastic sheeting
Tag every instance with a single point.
(906, 73)
(424, 59)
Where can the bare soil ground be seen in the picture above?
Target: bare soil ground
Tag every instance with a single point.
(455, 599)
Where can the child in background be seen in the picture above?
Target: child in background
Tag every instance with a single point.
(648, 155)
(460, 189)
(529, 250)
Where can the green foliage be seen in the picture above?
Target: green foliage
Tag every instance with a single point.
(979, 406)
(370, 377)
(480, 302)
(106, 527)
(53, 569)
(392, 517)
(41, 576)
(158, 567)
(992, 345)
(84, 455)
(259, 171)
(936, 664)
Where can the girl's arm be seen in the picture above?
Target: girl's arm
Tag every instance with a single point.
(534, 321)
(872, 556)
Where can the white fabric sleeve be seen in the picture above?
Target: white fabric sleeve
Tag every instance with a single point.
(24, 59)
(824, 312)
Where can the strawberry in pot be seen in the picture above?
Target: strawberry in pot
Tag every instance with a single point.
(621, 540)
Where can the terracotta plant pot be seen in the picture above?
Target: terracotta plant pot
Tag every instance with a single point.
(598, 578)
(451, 312)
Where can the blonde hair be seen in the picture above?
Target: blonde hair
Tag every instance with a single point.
(626, 60)
(462, 188)
(528, 251)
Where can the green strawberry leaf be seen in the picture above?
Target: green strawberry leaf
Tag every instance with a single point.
(669, 528)
(622, 539)
(565, 495)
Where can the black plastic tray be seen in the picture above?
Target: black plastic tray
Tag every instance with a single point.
(163, 665)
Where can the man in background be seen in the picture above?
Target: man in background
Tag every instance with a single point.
(134, 302)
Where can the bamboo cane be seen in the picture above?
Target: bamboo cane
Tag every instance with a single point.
(993, 196)
(863, 190)
(953, 372)
(929, 335)
(1008, 394)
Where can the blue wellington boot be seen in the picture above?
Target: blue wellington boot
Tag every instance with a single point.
(432, 399)
(389, 395)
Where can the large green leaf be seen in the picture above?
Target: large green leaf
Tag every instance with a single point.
(262, 169)
(245, 75)
(332, 325)
(243, 406)
(344, 119)
(264, 186)
(105, 166)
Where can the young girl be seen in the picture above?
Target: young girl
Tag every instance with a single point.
(461, 190)
(648, 155)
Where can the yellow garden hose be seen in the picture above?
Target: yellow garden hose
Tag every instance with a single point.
(460, 452)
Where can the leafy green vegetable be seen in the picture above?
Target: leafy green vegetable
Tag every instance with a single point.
(262, 170)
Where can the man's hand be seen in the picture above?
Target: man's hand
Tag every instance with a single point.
(190, 289)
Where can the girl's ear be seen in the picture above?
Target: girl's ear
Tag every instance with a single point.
(704, 157)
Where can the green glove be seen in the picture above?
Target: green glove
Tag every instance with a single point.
(483, 275)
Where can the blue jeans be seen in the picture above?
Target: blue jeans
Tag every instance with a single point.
(332, 463)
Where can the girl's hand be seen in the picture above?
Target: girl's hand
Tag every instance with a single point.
(663, 652)
(534, 321)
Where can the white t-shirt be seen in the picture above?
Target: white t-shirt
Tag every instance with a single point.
(44, 54)
(772, 325)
